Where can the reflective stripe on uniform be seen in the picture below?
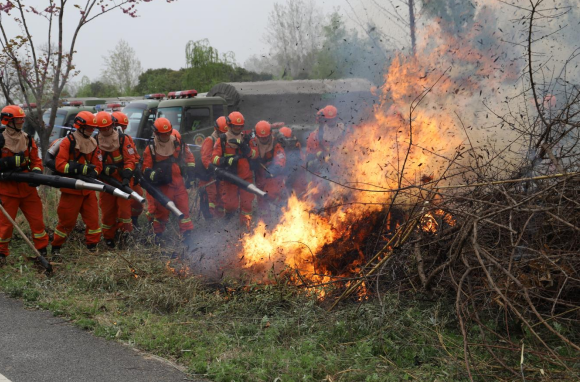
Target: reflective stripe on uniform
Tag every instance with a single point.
(191, 165)
(118, 159)
(211, 205)
(36, 168)
(66, 168)
(183, 221)
(246, 213)
(5, 240)
(61, 234)
(93, 231)
(125, 221)
(216, 160)
(105, 226)
(39, 235)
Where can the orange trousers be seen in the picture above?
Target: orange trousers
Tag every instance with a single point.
(115, 215)
(234, 198)
(31, 207)
(180, 197)
(274, 188)
(136, 207)
(69, 207)
(216, 207)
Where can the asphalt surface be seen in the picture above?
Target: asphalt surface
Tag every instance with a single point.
(36, 346)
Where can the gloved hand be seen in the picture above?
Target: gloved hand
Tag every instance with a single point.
(243, 146)
(191, 174)
(35, 171)
(155, 176)
(2, 140)
(90, 171)
(109, 169)
(228, 161)
(12, 162)
(126, 174)
(77, 168)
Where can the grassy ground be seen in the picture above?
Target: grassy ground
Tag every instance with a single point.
(250, 333)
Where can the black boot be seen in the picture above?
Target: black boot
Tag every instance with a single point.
(92, 247)
(55, 252)
(135, 220)
(2, 260)
(110, 243)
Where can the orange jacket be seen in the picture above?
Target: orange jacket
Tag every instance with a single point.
(314, 146)
(32, 162)
(64, 156)
(129, 141)
(176, 177)
(243, 165)
(207, 151)
(124, 155)
(271, 159)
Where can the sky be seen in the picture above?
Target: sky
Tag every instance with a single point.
(162, 30)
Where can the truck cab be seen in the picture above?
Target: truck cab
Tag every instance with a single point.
(142, 114)
(191, 115)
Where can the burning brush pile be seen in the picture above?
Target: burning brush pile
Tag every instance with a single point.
(426, 197)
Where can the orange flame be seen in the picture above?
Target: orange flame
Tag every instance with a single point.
(413, 133)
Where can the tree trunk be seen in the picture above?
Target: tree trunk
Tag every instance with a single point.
(412, 25)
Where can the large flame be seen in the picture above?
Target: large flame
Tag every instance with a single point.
(413, 133)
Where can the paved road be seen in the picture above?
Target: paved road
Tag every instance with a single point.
(36, 346)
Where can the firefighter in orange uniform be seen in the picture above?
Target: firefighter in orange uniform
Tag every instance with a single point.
(296, 180)
(118, 163)
(19, 153)
(231, 152)
(120, 122)
(319, 146)
(269, 166)
(79, 154)
(161, 165)
(216, 207)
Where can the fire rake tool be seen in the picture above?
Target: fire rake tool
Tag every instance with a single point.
(42, 260)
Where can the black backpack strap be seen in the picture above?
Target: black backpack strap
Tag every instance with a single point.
(223, 139)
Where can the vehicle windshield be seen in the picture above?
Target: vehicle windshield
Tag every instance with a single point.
(134, 112)
(173, 114)
(196, 118)
(60, 116)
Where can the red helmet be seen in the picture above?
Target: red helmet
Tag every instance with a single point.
(104, 119)
(286, 132)
(263, 129)
(84, 119)
(162, 126)
(10, 112)
(221, 125)
(235, 118)
(327, 112)
(120, 119)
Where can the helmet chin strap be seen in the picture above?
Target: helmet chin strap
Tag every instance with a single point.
(13, 125)
(82, 131)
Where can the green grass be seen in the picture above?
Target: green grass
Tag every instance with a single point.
(260, 332)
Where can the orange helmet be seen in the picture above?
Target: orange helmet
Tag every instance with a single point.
(235, 118)
(84, 119)
(263, 129)
(327, 112)
(104, 119)
(286, 132)
(10, 112)
(120, 119)
(221, 125)
(162, 126)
